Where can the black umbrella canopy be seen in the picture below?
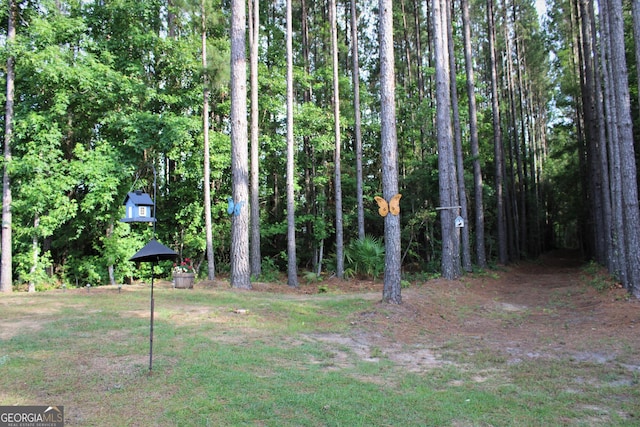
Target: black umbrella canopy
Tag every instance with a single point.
(154, 251)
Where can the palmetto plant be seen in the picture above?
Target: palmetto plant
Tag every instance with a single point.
(365, 257)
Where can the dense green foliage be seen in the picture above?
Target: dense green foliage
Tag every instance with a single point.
(109, 99)
(105, 100)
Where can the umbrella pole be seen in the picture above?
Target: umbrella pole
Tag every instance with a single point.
(151, 324)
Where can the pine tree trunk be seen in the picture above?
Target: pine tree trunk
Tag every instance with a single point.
(518, 197)
(292, 270)
(481, 257)
(357, 118)
(594, 177)
(338, 143)
(635, 5)
(457, 135)
(391, 292)
(528, 233)
(240, 270)
(211, 271)
(110, 267)
(630, 209)
(35, 255)
(310, 189)
(254, 34)
(607, 213)
(503, 256)
(616, 255)
(446, 161)
(6, 275)
(408, 80)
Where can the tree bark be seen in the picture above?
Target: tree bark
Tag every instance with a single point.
(211, 271)
(446, 160)
(616, 256)
(110, 267)
(357, 117)
(630, 209)
(408, 79)
(35, 248)
(594, 177)
(457, 136)
(311, 208)
(603, 164)
(338, 144)
(635, 8)
(6, 274)
(518, 230)
(481, 257)
(503, 256)
(292, 268)
(240, 270)
(391, 292)
(528, 218)
(254, 33)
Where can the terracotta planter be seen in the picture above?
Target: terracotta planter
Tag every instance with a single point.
(183, 280)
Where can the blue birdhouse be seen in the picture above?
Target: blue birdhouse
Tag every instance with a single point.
(138, 207)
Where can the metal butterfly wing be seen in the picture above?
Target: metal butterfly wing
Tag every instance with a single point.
(383, 206)
(238, 206)
(392, 206)
(230, 205)
(234, 208)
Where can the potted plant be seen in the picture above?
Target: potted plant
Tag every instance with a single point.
(184, 274)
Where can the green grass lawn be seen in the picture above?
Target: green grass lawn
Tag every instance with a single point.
(234, 358)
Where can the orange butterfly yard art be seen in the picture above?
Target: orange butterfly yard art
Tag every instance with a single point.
(392, 206)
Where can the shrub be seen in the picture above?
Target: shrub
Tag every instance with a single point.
(365, 257)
